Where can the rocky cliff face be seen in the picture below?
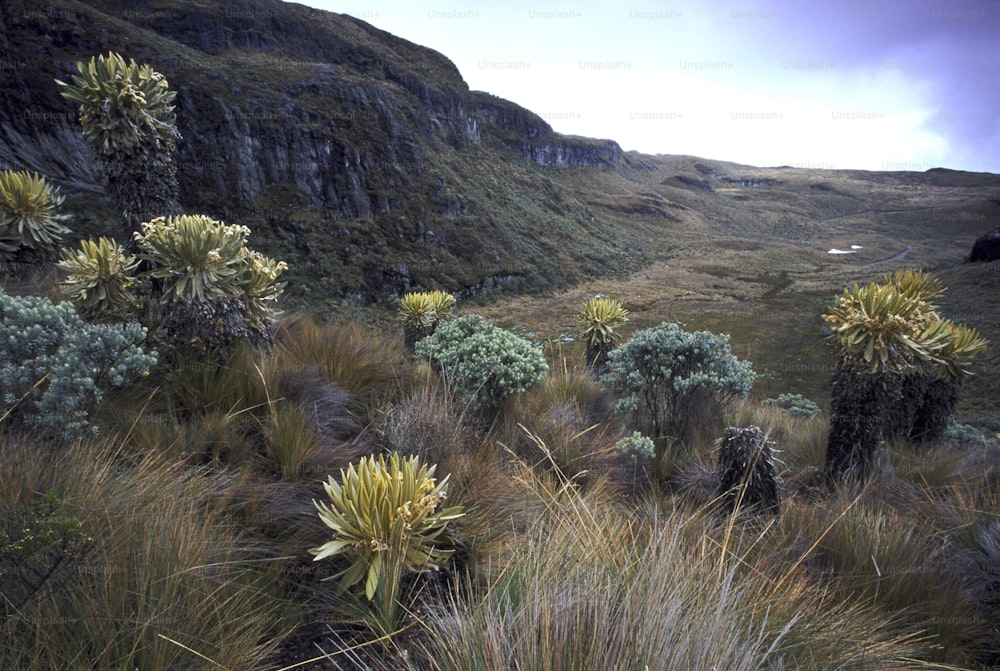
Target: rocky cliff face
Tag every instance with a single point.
(315, 125)
(269, 93)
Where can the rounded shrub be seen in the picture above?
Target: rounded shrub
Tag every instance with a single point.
(636, 444)
(55, 369)
(795, 405)
(484, 362)
(664, 374)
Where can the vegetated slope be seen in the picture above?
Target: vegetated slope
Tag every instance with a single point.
(760, 268)
(366, 162)
(361, 158)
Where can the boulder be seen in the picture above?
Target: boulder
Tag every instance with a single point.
(987, 248)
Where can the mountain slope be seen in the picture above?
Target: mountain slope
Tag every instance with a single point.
(367, 163)
(334, 141)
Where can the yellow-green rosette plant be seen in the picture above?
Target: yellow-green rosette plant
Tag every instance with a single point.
(127, 114)
(121, 104)
(198, 257)
(600, 317)
(416, 309)
(217, 288)
(29, 213)
(99, 277)
(876, 328)
(899, 370)
(421, 312)
(443, 304)
(387, 518)
(916, 284)
(261, 288)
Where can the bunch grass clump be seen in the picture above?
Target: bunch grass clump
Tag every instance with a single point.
(166, 581)
(595, 585)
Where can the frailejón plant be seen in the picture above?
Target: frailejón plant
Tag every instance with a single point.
(197, 257)
(420, 313)
(388, 519)
(600, 317)
(899, 368)
(99, 277)
(209, 276)
(128, 120)
(29, 213)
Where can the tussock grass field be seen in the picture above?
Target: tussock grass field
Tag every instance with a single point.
(195, 516)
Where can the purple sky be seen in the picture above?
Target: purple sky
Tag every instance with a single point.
(878, 85)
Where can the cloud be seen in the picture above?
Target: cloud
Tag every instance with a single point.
(897, 84)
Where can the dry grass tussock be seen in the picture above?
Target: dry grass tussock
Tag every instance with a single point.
(594, 584)
(197, 498)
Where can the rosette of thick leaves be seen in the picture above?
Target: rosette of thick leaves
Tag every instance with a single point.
(385, 514)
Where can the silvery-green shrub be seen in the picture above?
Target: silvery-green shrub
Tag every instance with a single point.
(484, 362)
(795, 405)
(636, 444)
(664, 373)
(55, 368)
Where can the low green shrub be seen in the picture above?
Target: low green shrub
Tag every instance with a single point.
(795, 405)
(55, 369)
(485, 363)
(966, 435)
(40, 545)
(636, 444)
(665, 374)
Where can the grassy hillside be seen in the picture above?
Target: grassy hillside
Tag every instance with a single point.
(177, 534)
(178, 537)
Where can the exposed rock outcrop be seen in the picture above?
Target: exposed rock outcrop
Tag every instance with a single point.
(328, 137)
(268, 93)
(987, 248)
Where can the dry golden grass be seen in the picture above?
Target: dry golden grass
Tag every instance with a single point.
(569, 557)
